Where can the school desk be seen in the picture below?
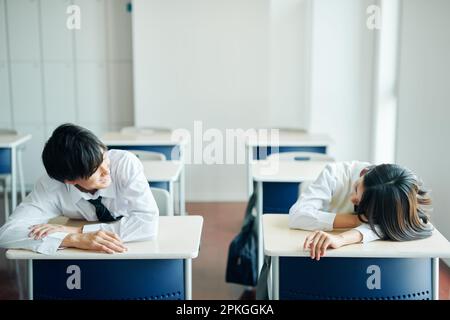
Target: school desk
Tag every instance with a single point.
(163, 142)
(11, 148)
(163, 174)
(277, 187)
(260, 146)
(378, 270)
(150, 270)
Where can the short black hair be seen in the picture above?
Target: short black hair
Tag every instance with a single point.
(72, 152)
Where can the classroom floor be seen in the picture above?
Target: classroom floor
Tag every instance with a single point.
(222, 221)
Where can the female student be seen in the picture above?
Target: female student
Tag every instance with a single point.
(384, 201)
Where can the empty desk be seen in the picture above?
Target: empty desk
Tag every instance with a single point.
(259, 147)
(163, 174)
(277, 187)
(378, 270)
(150, 270)
(163, 142)
(11, 160)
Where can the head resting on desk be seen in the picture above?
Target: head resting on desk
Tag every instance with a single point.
(74, 155)
(392, 198)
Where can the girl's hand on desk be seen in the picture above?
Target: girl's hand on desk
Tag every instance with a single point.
(319, 241)
(40, 231)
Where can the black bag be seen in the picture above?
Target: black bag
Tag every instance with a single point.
(242, 265)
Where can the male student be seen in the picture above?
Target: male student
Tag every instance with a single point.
(84, 181)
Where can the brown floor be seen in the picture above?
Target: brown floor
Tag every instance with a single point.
(221, 223)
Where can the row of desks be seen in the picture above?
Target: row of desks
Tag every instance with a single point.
(169, 172)
(376, 270)
(277, 191)
(171, 146)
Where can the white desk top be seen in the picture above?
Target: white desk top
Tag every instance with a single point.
(178, 238)
(290, 139)
(162, 171)
(129, 139)
(10, 141)
(279, 240)
(286, 171)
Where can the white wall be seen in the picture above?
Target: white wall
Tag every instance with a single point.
(384, 114)
(289, 36)
(229, 63)
(424, 97)
(50, 75)
(342, 76)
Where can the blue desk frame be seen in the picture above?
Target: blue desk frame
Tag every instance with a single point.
(11, 163)
(300, 278)
(5, 161)
(159, 279)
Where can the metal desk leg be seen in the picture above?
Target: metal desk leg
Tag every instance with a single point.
(13, 178)
(19, 282)
(188, 279)
(275, 278)
(172, 197)
(259, 209)
(182, 190)
(13, 206)
(182, 181)
(435, 278)
(20, 172)
(30, 279)
(6, 199)
(249, 153)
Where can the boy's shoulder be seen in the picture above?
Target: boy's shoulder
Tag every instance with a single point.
(116, 155)
(123, 161)
(49, 184)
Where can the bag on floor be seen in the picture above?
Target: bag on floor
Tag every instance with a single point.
(242, 265)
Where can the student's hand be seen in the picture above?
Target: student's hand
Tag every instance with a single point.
(40, 231)
(319, 241)
(103, 241)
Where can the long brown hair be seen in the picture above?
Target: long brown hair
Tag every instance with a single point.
(394, 202)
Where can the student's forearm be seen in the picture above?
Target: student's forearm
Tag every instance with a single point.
(350, 237)
(346, 220)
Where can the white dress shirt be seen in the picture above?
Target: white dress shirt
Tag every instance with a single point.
(329, 195)
(128, 195)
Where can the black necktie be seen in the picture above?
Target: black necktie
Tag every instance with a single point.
(102, 212)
